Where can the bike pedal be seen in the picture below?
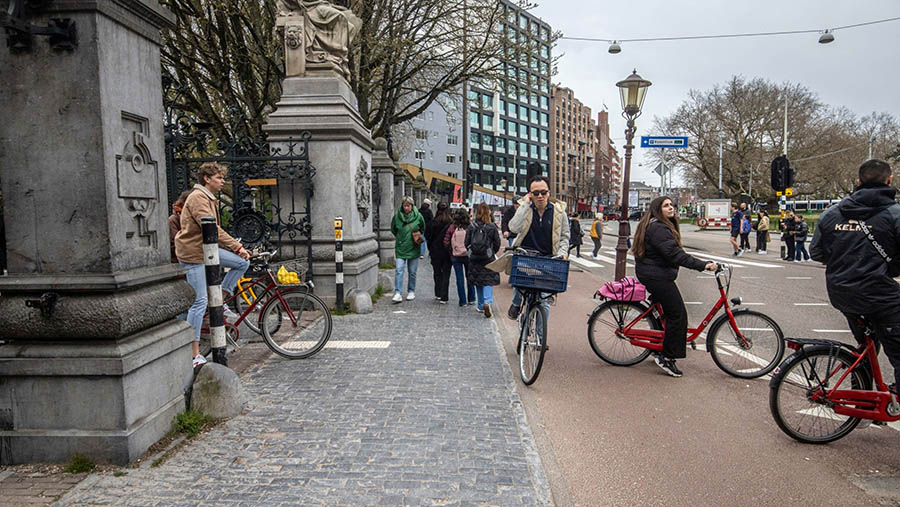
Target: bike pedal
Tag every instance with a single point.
(879, 423)
(693, 346)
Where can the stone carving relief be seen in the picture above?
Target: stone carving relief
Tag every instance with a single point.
(363, 189)
(137, 180)
(317, 36)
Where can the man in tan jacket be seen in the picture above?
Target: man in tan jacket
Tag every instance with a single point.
(189, 247)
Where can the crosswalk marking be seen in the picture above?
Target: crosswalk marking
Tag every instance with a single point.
(831, 330)
(810, 304)
(733, 260)
(584, 262)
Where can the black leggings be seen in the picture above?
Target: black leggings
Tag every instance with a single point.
(442, 270)
(745, 240)
(666, 293)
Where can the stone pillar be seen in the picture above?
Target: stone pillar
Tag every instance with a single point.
(340, 149)
(94, 362)
(383, 168)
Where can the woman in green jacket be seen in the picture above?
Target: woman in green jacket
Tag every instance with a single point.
(406, 221)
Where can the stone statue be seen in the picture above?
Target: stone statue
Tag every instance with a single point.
(317, 36)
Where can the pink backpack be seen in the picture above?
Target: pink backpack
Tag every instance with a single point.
(626, 289)
(458, 243)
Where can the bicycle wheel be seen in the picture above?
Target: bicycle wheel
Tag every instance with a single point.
(532, 343)
(792, 388)
(612, 316)
(296, 323)
(244, 300)
(758, 355)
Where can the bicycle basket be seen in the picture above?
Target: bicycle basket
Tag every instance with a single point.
(540, 273)
(294, 267)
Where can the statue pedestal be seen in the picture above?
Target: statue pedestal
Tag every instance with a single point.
(92, 361)
(384, 169)
(340, 148)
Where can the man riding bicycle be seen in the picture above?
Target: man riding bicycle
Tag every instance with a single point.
(540, 226)
(859, 242)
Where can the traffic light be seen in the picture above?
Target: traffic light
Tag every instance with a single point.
(782, 174)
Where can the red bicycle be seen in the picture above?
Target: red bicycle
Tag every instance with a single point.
(293, 321)
(824, 389)
(743, 343)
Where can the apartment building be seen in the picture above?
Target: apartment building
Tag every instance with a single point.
(509, 122)
(435, 142)
(573, 145)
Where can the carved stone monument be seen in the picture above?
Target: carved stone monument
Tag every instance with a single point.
(93, 361)
(317, 98)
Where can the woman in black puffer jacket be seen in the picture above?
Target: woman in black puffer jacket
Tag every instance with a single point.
(658, 254)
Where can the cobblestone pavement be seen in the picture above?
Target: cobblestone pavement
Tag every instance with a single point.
(433, 419)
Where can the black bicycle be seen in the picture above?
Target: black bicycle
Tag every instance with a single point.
(539, 279)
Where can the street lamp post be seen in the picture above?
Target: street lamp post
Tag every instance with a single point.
(633, 90)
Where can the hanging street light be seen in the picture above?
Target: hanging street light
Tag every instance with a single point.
(615, 48)
(633, 91)
(826, 37)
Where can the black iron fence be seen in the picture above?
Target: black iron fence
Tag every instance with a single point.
(268, 202)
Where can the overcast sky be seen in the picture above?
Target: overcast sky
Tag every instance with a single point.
(858, 70)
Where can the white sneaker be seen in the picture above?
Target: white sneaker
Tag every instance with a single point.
(397, 297)
(230, 315)
(411, 296)
(198, 360)
(762, 252)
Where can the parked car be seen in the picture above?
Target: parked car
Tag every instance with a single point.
(636, 215)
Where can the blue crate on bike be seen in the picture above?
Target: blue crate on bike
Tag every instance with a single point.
(539, 273)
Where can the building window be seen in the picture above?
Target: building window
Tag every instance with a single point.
(451, 158)
(545, 51)
(534, 116)
(545, 103)
(544, 136)
(475, 160)
(534, 133)
(421, 134)
(473, 119)
(431, 115)
(420, 155)
(523, 21)
(523, 131)
(512, 147)
(512, 110)
(523, 149)
(487, 142)
(511, 128)
(487, 121)
(501, 145)
(545, 120)
(475, 138)
(487, 101)
(452, 140)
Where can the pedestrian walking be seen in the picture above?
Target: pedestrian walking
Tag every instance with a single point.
(762, 231)
(202, 202)
(508, 213)
(428, 216)
(801, 229)
(736, 218)
(440, 253)
(746, 227)
(483, 242)
(175, 221)
(455, 240)
(575, 235)
(787, 235)
(408, 228)
(597, 234)
(658, 255)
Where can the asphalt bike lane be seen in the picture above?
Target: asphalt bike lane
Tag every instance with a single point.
(632, 435)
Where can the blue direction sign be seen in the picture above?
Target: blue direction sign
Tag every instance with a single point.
(663, 142)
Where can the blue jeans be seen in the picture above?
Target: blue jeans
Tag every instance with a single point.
(196, 276)
(800, 247)
(485, 295)
(424, 244)
(459, 267)
(398, 274)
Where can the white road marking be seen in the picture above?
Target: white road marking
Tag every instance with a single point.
(612, 260)
(798, 278)
(831, 330)
(705, 276)
(749, 278)
(584, 262)
(399, 311)
(693, 302)
(339, 344)
(753, 304)
(733, 260)
(810, 304)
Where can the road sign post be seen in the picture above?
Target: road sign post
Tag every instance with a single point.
(663, 142)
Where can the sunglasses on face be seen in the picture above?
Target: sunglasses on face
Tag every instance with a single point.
(537, 193)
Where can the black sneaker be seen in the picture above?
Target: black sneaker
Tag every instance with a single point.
(513, 312)
(668, 366)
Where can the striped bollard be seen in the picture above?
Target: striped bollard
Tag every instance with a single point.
(214, 288)
(339, 263)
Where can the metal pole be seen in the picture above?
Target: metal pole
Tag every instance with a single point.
(785, 127)
(750, 186)
(662, 188)
(339, 264)
(871, 143)
(720, 168)
(210, 231)
(624, 226)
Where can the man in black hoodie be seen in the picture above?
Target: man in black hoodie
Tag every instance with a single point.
(859, 275)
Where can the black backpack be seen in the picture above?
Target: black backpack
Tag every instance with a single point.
(480, 243)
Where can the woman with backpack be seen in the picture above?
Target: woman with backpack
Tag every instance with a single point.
(440, 254)
(406, 226)
(746, 227)
(658, 255)
(455, 240)
(597, 234)
(483, 241)
(575, 235)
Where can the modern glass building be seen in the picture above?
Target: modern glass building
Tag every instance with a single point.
(509, 122)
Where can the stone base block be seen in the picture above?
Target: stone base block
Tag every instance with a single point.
(106, 400)
(359, 301)
(217, 392)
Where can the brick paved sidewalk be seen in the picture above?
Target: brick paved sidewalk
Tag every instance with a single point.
(433, 419)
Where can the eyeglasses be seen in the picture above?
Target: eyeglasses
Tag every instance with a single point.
(540, 192)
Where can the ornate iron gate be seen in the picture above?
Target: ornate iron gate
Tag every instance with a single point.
(272, 184)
